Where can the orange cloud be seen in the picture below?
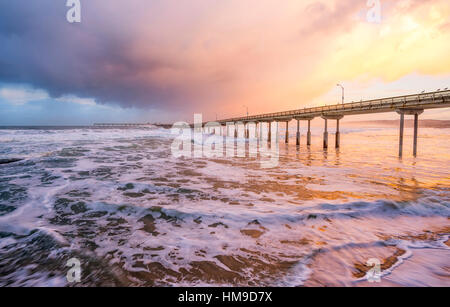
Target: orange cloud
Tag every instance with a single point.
(274, 56)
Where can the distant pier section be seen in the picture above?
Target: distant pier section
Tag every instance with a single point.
(122, 125)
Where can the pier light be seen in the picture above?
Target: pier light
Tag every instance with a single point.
(342, 91)
(247, 110)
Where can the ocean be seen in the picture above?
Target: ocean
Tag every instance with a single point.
(132, 214)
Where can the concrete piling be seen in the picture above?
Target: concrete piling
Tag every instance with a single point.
(402, 127)
(408, 111)
(416, 128)
(308, 136)
(270, 132)
(286, 140)
(338, 135)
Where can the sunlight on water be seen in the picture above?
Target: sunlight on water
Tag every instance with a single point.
(117, 200)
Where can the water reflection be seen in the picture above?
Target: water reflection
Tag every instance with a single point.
(139, 216)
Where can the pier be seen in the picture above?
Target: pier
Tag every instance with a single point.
(409, 105)
(119, 125)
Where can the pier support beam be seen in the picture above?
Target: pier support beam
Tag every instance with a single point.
(336, 117)
(403, 112)
(261, 131)
(325, 135)
(308, 136)
(338, 134)
(286, 140)
(416, 128)
(402, 128)
(270, 132)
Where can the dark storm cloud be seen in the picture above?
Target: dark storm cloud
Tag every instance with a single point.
(91, 59)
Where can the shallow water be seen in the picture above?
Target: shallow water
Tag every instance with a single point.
(132, 214)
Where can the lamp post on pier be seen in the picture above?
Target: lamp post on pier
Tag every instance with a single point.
(342, 92)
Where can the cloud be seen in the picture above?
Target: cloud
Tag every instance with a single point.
(215, 56)
(21, 95)
(77, 100)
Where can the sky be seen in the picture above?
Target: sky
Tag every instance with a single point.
(164, 60)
